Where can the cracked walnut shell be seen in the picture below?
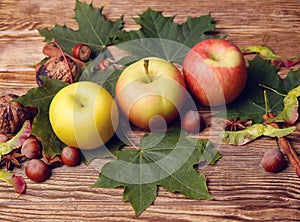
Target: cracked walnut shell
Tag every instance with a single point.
(12, 114)
(56, 68)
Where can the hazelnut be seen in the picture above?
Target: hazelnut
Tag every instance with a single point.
(82, 52)
(37, 170)
(31, 148)
(273, 160)
(193, 122)
(3, 138)
(71, 156)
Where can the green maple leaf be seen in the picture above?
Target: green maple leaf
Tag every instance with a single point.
(251, 104)
(94, 30)
(159, 36)
(41, 97)
(107, 78)
(165, 160)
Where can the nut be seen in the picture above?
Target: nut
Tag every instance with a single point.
(82, 52)
(56, 68)
(193, 122)
(12, 114)
(37, 170)
(273, 160)
(31, 148)
(71, 156)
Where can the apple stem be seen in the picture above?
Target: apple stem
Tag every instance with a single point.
(146, 66)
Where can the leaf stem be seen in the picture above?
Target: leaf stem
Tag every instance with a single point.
(271, 89)
(65, 59)
(267, 107)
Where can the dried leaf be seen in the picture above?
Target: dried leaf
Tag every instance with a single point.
(253, 132)
(17, 140)
(290, 112)
(17, 181)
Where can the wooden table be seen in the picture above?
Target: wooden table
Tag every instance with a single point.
(241, 188)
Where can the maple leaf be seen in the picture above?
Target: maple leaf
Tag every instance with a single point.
(165, 160)
(94, 30)
(107, 78)
(159, 36)
(262, 75)
(41, 97)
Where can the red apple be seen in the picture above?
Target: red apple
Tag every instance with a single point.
(215, 72)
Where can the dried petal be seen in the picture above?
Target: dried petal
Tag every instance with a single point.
(19, 183)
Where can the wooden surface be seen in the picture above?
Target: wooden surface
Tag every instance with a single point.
(243, 191)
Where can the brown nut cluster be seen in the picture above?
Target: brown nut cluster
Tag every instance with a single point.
(38, 167)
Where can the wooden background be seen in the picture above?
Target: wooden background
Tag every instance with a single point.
(243, 191)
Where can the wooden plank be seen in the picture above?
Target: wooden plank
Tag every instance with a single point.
(241, 188)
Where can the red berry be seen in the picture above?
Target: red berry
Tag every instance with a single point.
(273, 160)
(71, 156)
(37, 170)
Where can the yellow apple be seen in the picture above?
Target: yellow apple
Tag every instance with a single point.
(83, 115)
(151, 92)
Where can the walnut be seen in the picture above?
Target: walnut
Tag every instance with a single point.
(12, 114)
(56, 68)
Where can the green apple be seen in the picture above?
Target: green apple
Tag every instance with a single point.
(83, 115)
(151, 92)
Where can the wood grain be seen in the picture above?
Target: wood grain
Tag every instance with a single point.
(243, 191)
